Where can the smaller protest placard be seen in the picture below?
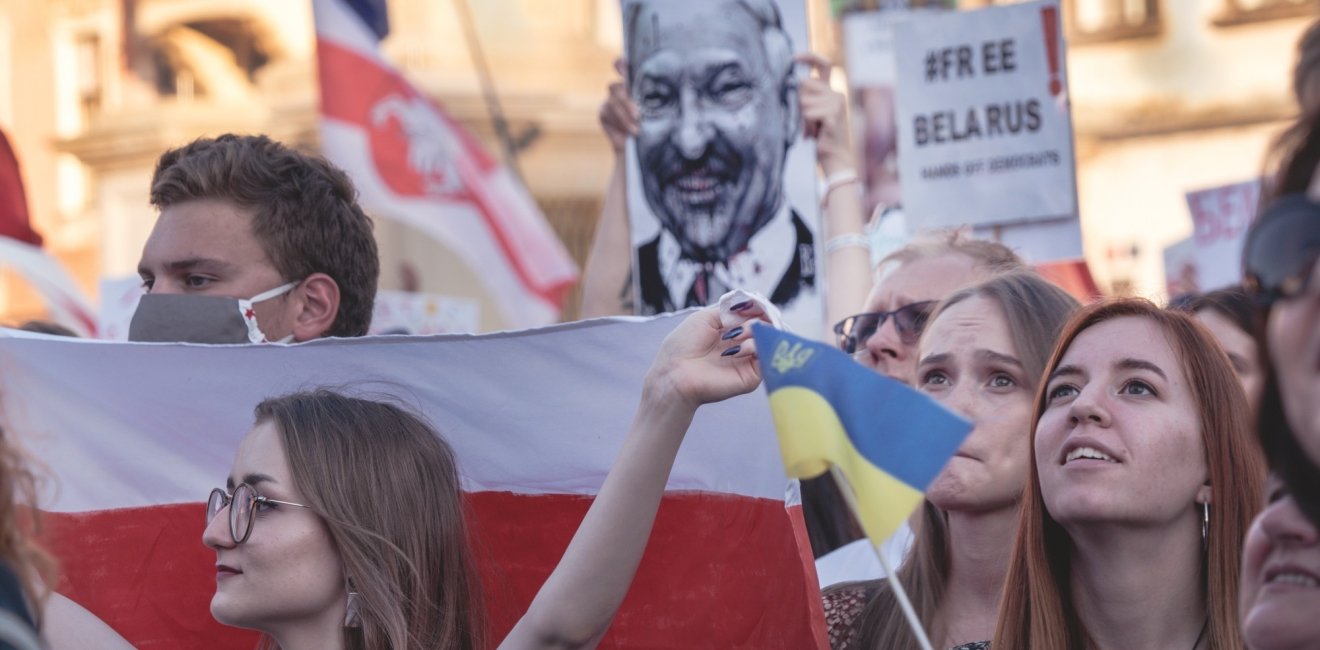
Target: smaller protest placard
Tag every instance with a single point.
(1180, 268)
(402, 312)
(984, 129)
(868, 45)
(1220, 218)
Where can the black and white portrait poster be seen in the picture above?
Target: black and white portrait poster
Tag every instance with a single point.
(721, 183)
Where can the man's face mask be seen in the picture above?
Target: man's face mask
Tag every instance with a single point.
(183, 318)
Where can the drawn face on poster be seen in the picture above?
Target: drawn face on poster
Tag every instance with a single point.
(715, 85)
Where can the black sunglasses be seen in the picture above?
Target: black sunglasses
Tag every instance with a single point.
(1282, 247)
(909, 320)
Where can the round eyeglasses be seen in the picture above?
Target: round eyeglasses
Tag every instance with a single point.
(243, 505)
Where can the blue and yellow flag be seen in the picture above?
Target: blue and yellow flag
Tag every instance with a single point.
(889, 440)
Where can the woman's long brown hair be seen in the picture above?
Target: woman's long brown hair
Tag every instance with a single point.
(387, 487)
(20, 523)
(1034, 311)
(1036, 610)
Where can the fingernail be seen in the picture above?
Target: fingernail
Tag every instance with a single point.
(742, 305)
(731, 333)
(731, 351)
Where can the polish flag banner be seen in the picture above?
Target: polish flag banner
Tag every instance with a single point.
(414, 164)
(536, 419)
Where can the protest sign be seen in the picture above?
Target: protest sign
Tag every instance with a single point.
(1180, 268)
(721, 183)
(868, 45)
(1220, 219)
(405, 312)
(985, 134)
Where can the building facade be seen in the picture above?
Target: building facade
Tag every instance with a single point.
(1168, 96)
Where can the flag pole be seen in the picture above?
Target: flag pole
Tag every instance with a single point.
(845, 488)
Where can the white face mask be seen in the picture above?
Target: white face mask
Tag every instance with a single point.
(183, 318)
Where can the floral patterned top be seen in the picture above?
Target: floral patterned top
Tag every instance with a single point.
(844, 604)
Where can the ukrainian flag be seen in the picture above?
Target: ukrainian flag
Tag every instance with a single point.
(889, 440)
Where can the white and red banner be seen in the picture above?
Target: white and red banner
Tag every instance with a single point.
(136, 434)
(414, 164)
(20, 250)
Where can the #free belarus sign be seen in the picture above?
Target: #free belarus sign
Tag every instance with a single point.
(985, 134)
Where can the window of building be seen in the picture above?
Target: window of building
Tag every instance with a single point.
(1097, 21)
(1250, 11)
(87, 50)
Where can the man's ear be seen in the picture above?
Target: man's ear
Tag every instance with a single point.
(318, 307)
(792, 108)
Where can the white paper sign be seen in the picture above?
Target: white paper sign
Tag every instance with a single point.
(985, 134)
(1180, 268)
(402, 312)
(1220, 218)
(868, 45)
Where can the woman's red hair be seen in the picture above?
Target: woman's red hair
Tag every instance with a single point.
(1036, 610)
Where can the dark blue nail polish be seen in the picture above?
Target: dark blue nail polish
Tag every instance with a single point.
(731, 333)
(731, 351)
(742, 305)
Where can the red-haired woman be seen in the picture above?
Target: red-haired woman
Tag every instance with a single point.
(1143, 481)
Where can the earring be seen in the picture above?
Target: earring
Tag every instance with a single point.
(1205, 525)
(351, 616)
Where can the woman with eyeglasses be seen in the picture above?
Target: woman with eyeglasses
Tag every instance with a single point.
(982, 354)
(1143, 479)
(341, 524)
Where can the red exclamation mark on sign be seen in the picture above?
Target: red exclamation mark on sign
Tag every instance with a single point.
(1049, 17)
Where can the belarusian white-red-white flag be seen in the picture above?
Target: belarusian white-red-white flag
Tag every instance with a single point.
(535, 418)
(20, 250)
(414, 164)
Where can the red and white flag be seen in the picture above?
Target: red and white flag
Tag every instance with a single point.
(414, 164)
(536, 419)
(20, 250)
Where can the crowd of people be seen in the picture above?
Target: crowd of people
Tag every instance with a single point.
(1137, 476)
